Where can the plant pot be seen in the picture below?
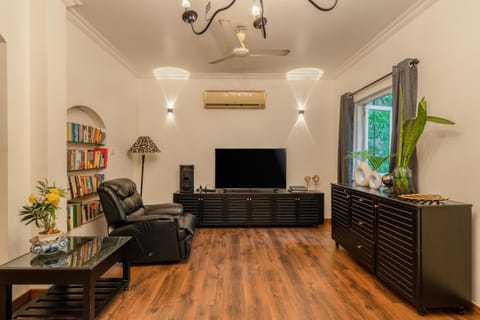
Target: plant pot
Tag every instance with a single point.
(45, 244)
(402, 180)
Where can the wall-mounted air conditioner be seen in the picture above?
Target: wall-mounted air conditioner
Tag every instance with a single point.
(234, 99)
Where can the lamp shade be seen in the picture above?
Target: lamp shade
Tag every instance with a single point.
(143, 145)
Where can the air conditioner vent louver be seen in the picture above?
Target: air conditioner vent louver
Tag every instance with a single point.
(233, 99)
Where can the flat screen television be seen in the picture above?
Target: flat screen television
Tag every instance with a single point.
(250, 168)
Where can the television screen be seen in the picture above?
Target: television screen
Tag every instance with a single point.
(250, 168)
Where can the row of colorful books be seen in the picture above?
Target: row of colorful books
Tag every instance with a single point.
(80, 212)
(81, 133)
(83, 159)
(80, 186)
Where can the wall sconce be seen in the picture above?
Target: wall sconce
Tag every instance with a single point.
(170, 110)
(301, 111)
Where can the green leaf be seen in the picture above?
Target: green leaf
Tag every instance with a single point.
(376, 161)
(440, 120)
(412, 130)
(358, 155)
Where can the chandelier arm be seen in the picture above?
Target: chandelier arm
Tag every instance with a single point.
(211, 18)
(321, 8)
(264, 31)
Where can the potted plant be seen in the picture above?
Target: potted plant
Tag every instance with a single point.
(410, 132)
(42, 210)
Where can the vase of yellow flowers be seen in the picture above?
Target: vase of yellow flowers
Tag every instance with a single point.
(42, 210)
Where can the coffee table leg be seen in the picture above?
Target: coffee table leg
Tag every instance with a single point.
(6, 301)
(126, 272)
(89, 299)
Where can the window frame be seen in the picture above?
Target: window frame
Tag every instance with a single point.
(361, 119)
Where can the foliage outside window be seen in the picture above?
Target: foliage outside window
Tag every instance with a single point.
(374, 117)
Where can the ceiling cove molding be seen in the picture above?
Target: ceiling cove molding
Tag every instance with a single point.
(397, 24)
(281, 76)
(74, 17)
(273, 76)
(72, 3)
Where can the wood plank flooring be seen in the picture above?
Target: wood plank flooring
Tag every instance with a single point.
(262, 273)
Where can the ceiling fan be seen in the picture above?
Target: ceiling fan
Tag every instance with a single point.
(243, 51)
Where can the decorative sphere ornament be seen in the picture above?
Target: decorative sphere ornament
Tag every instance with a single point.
(387, 180)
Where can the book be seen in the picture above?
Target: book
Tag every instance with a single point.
(297, 188)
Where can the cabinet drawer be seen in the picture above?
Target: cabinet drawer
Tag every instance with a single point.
(363, 216)
(363, 250)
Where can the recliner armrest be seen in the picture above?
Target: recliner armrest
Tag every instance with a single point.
(136, 219)
(164, 208)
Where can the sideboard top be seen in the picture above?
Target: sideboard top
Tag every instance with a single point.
(382, 194)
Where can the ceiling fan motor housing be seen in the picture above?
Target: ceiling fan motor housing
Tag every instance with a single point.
(241, 52)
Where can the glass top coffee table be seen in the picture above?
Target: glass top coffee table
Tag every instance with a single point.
(78, 291)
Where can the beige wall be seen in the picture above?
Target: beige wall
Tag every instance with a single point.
(48, 93)
(445, 40)
(14, 29)
(95, 79)
(192, 133)
(3, 152)
(35, 85)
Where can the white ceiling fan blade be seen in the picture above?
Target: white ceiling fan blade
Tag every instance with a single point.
(222, 59)
(269, 52)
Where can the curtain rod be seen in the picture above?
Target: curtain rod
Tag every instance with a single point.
(412, 63)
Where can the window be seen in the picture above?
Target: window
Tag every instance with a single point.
(373, 125)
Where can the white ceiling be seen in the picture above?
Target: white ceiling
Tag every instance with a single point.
(151, 33)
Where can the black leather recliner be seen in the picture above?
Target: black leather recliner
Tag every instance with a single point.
(160, 232)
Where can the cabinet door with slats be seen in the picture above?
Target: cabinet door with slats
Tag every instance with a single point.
(340, 216)
(191, 203)
(212, 210)
(261, 210)
(285, 209)
(397, 247)
(237, 207)
(309, 209)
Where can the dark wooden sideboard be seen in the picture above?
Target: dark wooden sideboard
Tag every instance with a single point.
(420, 251)
(254, 208)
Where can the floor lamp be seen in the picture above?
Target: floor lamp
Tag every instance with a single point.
(144, 145)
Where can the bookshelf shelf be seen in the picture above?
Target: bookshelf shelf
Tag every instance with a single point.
(85, 143)
(87, 157)
(89, 169)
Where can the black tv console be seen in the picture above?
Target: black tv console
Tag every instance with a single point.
(267, 208)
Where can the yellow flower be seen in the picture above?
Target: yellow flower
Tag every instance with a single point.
(31, 198)
(53, 199)
(54, 190)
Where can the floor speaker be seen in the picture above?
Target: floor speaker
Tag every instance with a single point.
(186, 178)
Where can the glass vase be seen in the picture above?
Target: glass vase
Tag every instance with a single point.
(402, 180)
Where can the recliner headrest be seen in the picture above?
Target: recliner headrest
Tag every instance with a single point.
(123, 187)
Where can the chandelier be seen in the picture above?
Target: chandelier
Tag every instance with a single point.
(259, 19)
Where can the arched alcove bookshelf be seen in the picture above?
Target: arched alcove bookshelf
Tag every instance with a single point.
(87, 158)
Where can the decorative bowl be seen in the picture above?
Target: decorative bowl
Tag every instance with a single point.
(50, 244)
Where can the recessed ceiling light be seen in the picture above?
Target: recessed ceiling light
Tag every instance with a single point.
(171, 73)
(305, 74)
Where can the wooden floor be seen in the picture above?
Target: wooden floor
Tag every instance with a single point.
(262, 273)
